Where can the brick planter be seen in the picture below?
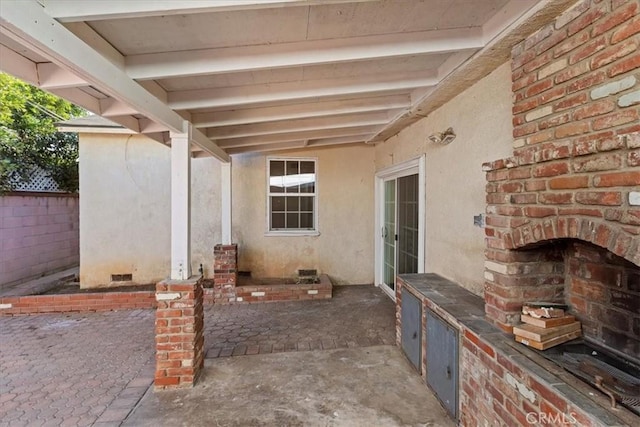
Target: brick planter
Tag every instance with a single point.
(84, 302)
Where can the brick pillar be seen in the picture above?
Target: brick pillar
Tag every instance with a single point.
(225, 272)
(179, 333)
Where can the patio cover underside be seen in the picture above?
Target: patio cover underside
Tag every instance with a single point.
(263, 75)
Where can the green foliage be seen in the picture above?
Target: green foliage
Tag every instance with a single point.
(28, 136)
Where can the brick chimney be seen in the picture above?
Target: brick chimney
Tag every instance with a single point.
(563, 214)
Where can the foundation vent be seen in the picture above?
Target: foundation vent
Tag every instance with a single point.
(305, 273)
(122, 277)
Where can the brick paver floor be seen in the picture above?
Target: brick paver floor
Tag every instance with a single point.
(356, 316)
(86, 369)
(74, 369)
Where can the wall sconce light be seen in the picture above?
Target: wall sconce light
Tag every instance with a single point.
(443, 138)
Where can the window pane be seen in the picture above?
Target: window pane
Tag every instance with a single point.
(277, 220)
(292, 220)
(292, 185)
(292, 181)
(276, 176)
(306, 220)
(293, 204)
(276, 168)
(277, 204)
(308, 185)
(293, 167)
(306, 204)
(307, 167)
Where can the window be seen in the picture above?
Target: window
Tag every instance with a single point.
(292, 190)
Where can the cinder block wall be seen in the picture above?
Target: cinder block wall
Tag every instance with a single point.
(39, 234)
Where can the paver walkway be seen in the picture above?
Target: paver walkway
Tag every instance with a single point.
(356, 316)
(74, 369)
(86, 369)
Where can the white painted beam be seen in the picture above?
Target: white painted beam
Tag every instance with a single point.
(88, 35)
(299, 125)
(298, 54)
(53, 77)
(296, 136)
(201, 140)
(78, 97)
(17, 65)
(225, 205)
(149, 126)
(94, 10)
(129, 122)
(161, 137)
(299, 111)
(27, 23)
(279, 146)
(339, 140)
(180, 206)
(290, 145)
(509, 13)
(110, 107)
(298, 90)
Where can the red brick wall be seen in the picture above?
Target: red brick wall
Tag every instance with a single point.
(604, 292)
(497, 391)
(225, 272)
(85, 302)
(576, 163)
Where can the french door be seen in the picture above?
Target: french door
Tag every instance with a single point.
(400, 225)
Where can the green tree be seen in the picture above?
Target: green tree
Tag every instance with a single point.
(28, 136)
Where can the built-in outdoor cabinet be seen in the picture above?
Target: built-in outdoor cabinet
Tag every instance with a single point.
(442, 361)
(411, 324)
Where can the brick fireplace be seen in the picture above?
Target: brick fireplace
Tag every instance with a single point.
(563, 214)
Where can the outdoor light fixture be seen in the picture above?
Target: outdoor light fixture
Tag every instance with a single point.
(443, 138)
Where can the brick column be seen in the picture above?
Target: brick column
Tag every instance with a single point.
(225, 272)
(179, 333)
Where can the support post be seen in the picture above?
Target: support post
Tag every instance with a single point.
(179, 333)
(181, 205)
(225, 180)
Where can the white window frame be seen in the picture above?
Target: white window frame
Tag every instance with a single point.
(315, 231)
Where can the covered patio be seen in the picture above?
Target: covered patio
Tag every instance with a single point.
(487, 151)
(287, 363)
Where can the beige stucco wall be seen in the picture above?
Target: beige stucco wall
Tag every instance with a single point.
(455, 183)
(125, 209)
(344, 248)
(125, 203)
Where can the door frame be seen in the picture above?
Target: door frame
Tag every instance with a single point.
(410, 167)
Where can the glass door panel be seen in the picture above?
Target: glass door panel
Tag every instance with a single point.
(407, 244)
(389, 234)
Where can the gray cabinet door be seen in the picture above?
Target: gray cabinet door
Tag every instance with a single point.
(442, 361)
(411, 330)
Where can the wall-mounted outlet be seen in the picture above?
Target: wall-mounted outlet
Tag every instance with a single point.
(478, 220)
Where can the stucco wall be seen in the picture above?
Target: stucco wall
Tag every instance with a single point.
(344, 248)
(125, 209)
(38, 235)
(455, 182)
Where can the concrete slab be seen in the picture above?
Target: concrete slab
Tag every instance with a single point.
(368, 386)
(39, 285)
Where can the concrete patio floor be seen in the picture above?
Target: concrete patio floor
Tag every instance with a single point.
(367, 386)
(86, 369)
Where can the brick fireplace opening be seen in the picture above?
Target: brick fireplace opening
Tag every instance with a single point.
(563, 213)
